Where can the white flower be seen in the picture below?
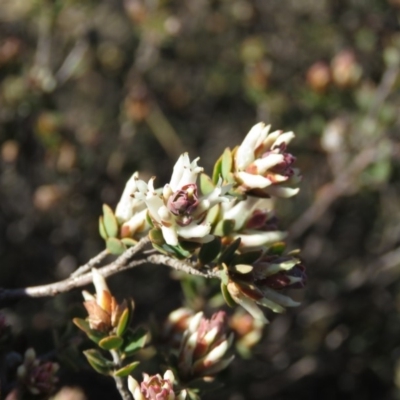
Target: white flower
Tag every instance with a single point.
(178, 210)
(128, 206)
(131, 212)
(263, 166)
(254, 223)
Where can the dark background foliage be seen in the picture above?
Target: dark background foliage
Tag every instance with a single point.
(92, 91)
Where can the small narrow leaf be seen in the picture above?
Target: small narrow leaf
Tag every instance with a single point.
(99, 363)
(123, 322)
(98, 358)
(227, 163)
(277, 248)
(134, 340)
(125, 371)
(212, 215)
(92, 334)
(129, 242)
(156, 237)
(217, 171)
(227, 255)
(111, 343)
(206, 184)
(82, 324)
(110, 222)
(209, 251)
(115, 246)
(248, 258)
(227, 296)
(102, 229)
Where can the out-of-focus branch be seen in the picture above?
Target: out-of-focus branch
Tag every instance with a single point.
(332, 191)
(344, 181)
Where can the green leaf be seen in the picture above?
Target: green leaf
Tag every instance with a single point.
(111, 342)
(212, 215)
(227, 255)
(277, 248)
(98, 358)
(224, 275)
(115, 246)
(125, 371)
(156, 237)
(160, 249)
(110, 222)
(224, 227)
(82, 324)
(177, 251)
(149, 220)
(123, 322)
(98, 362)
(217, 171)
(206, 184)
(134, 340)
(92, 334)
(102, 229)
(227, 296)
(227, 163)
(247, 258)
(189, 246)
(209, 251)
(129, 242)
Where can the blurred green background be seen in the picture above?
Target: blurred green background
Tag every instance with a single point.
(91, 91)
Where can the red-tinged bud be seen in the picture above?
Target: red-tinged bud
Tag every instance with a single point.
(203, 347)
(155, 387)
(36, 376)
(183, 203)
(319, 76)
(346, 72)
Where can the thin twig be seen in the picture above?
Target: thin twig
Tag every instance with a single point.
(100, 257)
(122, 263)
(182, 266)
(120, 383)
(90, 264)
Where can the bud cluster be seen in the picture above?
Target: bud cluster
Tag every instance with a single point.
(38, 377)
(218, 219)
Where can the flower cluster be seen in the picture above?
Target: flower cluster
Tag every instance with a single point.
(253, 221)
(262, 282)
(230, 213)
(38, 377)
(262, 166)
(178, 210)
(155, 387)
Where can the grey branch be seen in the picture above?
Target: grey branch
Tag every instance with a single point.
(124, 262)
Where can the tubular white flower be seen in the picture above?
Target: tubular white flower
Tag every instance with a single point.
(101, 286)
(177, 210)
(128, 206)
(245, 153)
(184, 172)
(136, 223)
(255, 239)
(262, 165)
